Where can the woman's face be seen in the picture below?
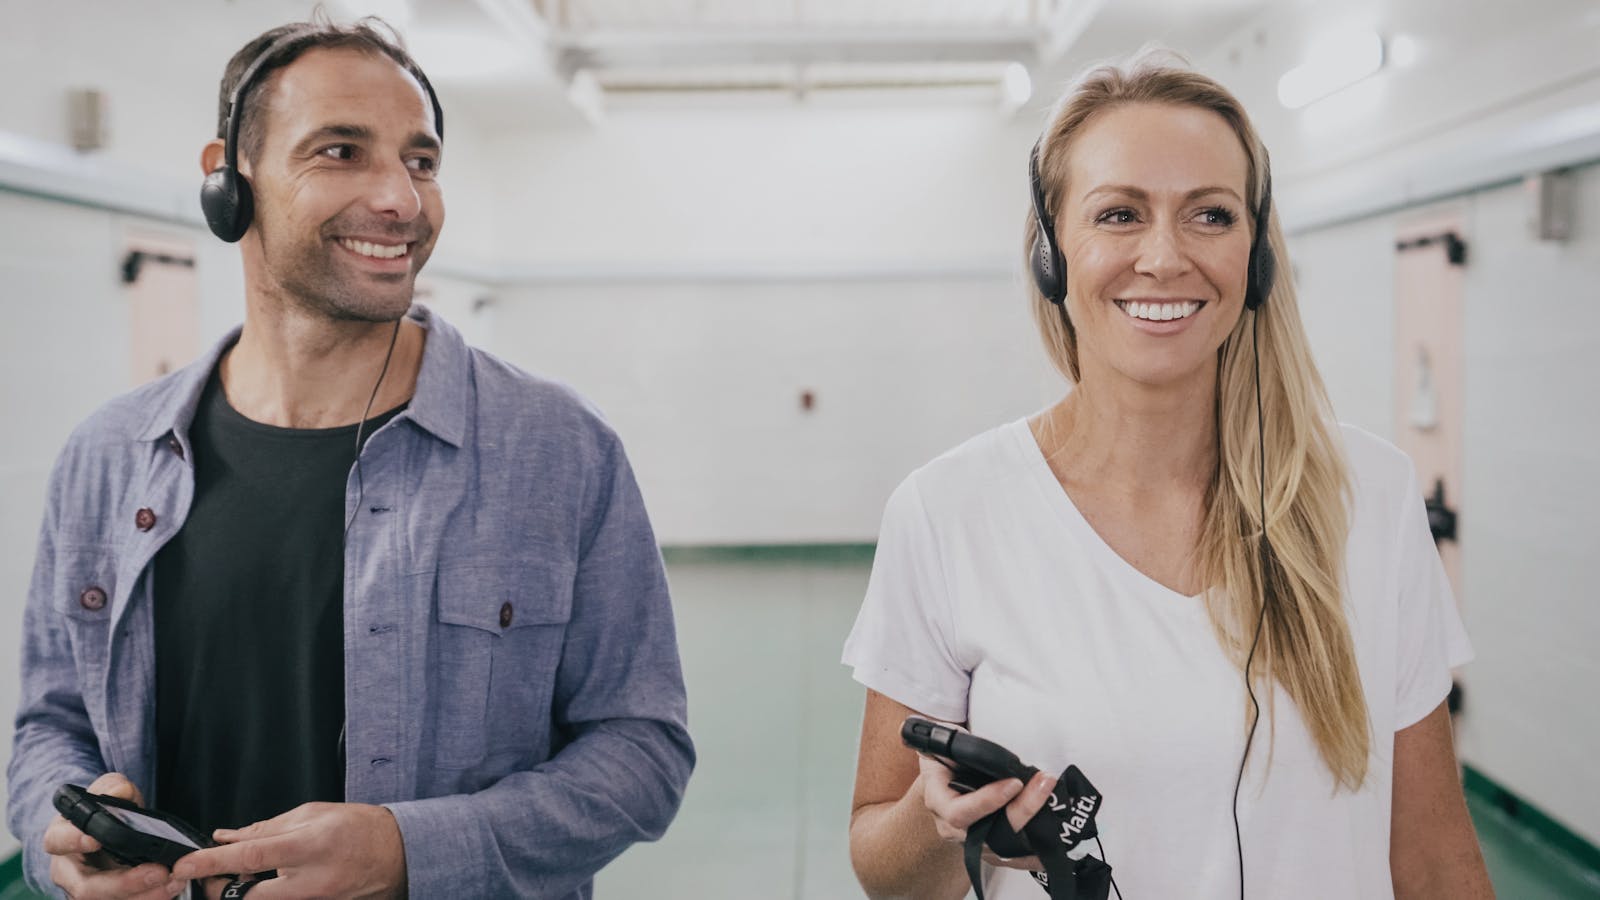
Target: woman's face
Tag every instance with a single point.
(1156, 237)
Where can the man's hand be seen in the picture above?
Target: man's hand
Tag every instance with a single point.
(318, 849)
(78, 867)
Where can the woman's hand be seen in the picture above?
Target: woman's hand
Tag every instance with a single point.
(954, 812)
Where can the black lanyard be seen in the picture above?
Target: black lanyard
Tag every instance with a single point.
(1066, 821)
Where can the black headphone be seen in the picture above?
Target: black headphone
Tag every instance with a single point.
(1050, 270)
(225, 196)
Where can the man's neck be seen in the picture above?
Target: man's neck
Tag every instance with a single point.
(298, 370)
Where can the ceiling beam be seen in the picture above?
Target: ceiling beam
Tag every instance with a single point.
(800, 46)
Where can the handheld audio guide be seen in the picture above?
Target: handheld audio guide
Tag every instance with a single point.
(130, 833)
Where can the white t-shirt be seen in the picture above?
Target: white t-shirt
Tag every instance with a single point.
(993, 602)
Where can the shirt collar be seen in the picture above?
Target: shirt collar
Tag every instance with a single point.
(439, 405)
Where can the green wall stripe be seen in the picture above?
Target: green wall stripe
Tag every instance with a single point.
(718, 553)
(1549, 830)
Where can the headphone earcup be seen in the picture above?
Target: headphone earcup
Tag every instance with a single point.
(228, 205)
(1049, 273)
(1263, 270)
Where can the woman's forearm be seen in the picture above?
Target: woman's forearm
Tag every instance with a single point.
(896, 853)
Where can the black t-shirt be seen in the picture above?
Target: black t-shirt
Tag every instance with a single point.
(249, 621)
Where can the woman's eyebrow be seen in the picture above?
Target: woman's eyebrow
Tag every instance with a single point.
(1140, 194)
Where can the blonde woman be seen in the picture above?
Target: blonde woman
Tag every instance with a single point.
(1089, 585)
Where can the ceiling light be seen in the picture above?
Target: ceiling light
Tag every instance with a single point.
(1332, 67)
(1017, 86)
(1403, 50)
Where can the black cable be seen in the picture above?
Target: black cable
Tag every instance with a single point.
(1238, 841)
(361, 486)
(1108, 865)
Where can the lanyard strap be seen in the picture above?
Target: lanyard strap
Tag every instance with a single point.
(1066, 820)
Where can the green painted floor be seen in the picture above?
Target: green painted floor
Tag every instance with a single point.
(775, 718)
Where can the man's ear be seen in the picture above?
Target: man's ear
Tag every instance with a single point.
(211, 156)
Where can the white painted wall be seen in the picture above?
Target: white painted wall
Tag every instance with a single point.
(795, 188)
(703, 382)
(1531, 435)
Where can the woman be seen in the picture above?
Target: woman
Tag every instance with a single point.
(1085, 586)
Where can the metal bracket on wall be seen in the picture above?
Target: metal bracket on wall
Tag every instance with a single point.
(1455, 249)
(137, 258)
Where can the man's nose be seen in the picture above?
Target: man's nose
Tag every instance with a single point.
(394, 192)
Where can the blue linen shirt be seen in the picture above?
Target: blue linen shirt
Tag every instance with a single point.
(513, 692)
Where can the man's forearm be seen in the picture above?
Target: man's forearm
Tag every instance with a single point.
(547, 831)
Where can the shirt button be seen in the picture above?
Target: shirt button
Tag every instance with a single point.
(93, 599)
(175, 446)
(505, 615)
(145, 519)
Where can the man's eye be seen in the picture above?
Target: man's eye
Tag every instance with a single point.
(340, 151)
(1121, 216)
(423, 163)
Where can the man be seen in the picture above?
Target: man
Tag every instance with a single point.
(450, 669)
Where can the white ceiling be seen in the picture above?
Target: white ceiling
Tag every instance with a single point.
(528, 62)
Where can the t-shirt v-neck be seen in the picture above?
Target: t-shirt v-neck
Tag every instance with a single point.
(1032, 457)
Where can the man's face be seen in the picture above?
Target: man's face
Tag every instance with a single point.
(347, 202)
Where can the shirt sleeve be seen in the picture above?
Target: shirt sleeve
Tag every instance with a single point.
(902, 644)
(1431, 639)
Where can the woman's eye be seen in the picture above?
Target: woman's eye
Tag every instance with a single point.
(1121, 216)
(1217, 215)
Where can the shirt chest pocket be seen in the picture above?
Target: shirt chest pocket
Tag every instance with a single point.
(83, 590)
(500, 632)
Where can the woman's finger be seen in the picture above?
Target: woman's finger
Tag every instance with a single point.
(961, 810)
(1027, 802)
(1026, 863)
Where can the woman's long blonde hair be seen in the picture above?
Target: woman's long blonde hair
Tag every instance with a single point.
(1305, 642)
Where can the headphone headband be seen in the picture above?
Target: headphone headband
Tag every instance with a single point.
(225, 197)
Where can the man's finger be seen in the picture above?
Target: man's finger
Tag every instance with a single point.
(84, 884)
(116, 784)
(278, 824)
(275, 852)
(63, 838)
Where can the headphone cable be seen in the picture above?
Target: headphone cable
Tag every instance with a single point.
(361, 486)
(1255, 346)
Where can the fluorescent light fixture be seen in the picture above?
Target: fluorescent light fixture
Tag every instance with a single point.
(1403, 50)
(1332, 67)
(1016, 86)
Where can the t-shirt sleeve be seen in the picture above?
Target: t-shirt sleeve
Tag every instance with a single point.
(1432, 639)
(901, 645)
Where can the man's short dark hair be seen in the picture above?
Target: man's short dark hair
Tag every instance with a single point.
(368, 35)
